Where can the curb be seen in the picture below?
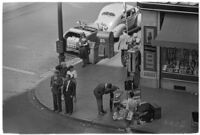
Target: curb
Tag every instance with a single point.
(35, 99)
(82, 120)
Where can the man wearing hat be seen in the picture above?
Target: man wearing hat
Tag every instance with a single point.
(99, 91)
(84, 49)
(69, 94)
(56, 84)
(62, 68)
(73, 74)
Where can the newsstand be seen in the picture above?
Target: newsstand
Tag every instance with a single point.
(93, 56)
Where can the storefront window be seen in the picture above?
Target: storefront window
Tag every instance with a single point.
(179, 61)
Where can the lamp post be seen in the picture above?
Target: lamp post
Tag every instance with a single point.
(124, 4)
(60, 43)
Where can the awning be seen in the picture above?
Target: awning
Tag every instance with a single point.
(178, 30)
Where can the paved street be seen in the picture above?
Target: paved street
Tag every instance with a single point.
(29, 35)
(22, 114)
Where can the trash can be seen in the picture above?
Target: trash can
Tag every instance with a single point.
(106, 44)
(93, 56)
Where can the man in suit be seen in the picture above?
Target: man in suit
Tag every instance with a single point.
(69, 94)
(56, 84)
(99, 91)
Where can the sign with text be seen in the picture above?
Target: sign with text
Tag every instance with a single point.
(149, 61)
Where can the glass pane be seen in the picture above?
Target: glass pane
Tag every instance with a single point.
(179, 61)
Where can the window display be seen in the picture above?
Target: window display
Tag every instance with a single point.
(179, 61)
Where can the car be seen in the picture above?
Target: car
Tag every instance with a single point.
(112, 18)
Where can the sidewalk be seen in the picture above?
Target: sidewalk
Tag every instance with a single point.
(176, 106)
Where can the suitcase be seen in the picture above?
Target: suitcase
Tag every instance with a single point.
(146, 112)
(143, 107)
(156, 110)
(147, 117)
(195, 121)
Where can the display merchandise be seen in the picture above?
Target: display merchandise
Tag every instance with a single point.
(179, 61)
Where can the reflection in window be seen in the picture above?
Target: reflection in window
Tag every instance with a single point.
(179, 61)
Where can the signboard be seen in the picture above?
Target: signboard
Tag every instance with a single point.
(150, 61)
(59, 46)
(149, 51)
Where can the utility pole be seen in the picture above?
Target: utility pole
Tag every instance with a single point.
(60, 43)
(124, 4)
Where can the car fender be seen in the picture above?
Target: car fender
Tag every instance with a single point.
(117, 31)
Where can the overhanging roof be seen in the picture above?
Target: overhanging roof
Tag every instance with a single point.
(178, 30)
(190, 8)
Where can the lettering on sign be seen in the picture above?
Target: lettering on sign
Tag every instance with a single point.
(149, 61)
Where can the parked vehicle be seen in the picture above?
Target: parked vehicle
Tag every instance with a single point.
(112, 18)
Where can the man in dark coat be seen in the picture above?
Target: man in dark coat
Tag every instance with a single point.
(99, 91)
(56, 84)
(69, 94)
(84, 50)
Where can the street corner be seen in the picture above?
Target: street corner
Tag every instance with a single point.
(140, 61)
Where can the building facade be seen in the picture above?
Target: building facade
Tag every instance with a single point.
(169, 33)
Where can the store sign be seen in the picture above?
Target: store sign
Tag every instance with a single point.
(150, 61)
(59, 46)
(149, 50)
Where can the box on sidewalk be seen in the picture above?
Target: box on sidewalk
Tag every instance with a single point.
(137, 92)
(143, 107)
(195, 120)
(156, 110)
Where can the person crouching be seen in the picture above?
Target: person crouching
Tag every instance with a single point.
(69, 94)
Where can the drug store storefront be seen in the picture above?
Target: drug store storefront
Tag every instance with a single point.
(170, 46)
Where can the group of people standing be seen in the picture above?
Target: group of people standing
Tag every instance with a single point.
(63, 82)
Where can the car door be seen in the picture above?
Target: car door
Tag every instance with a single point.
(130, 18)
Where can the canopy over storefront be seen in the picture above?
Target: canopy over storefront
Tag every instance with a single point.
(178, 30)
